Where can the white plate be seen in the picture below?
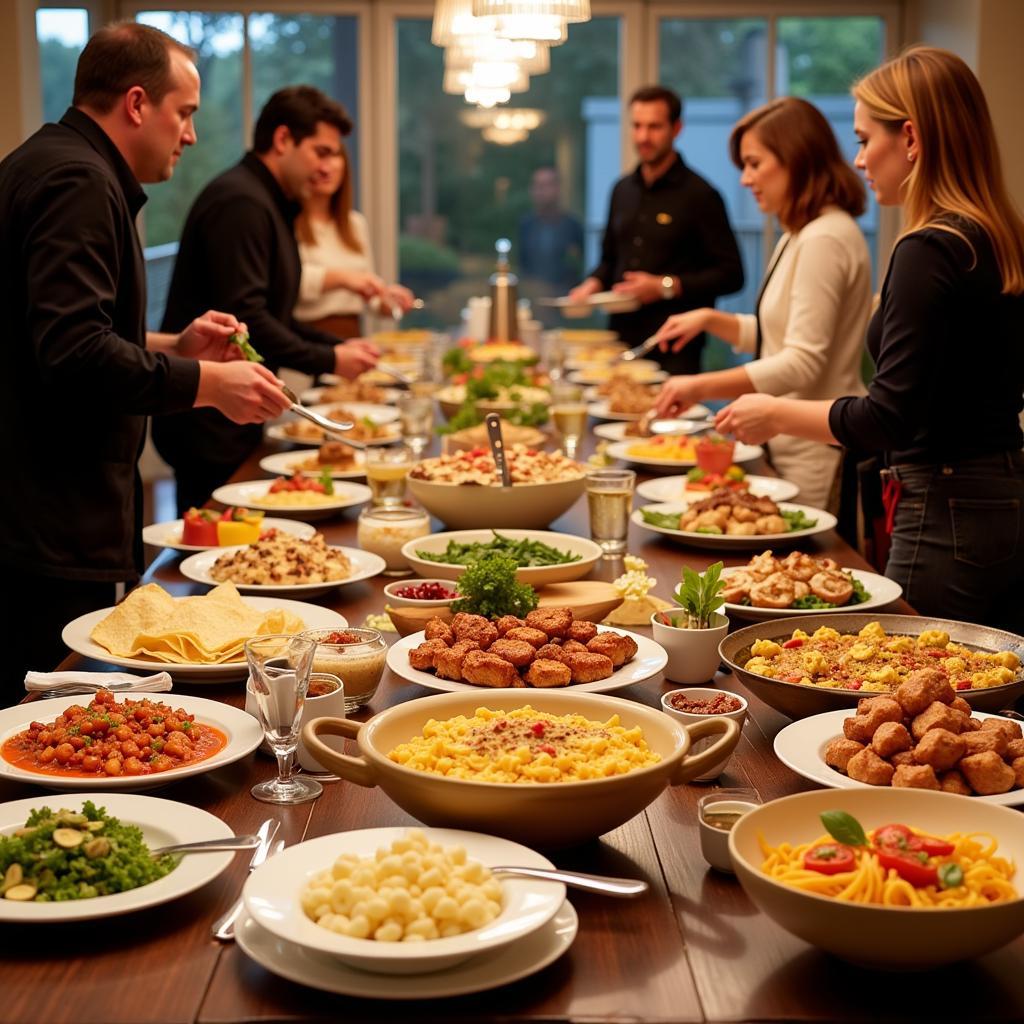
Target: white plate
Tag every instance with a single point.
(76, 636)
(536, 576)
(620, 450)
(378, 413)
(364, 565)
(314, 396)
(590, 379)
(720, 542)
(284, 463)
(272, 900)
(251, 493)
(883, 591)
(163, 822)
(599, 410)
(801, 746)
(649, 660)
(603, 302)
(168, 535)
(518, 960)
(673, 489)
(243, 732)
(617, 431)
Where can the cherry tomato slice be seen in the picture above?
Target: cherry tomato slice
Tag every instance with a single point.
(909, 866)
(830, 859)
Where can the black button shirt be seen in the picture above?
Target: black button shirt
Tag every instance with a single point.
(675, 226)
(77, 381)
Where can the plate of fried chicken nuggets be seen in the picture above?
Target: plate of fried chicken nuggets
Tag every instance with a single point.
(922, 736)
(548, 648)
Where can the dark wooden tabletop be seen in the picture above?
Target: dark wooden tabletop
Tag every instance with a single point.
(693, 949)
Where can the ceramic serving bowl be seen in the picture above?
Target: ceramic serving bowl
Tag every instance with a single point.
(890, 938)
(547, 815)
(799, 701)
(396, 600)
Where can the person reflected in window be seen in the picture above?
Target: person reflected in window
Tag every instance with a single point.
(808, 329)
(948, 344)
(667, 242)
(338, 279)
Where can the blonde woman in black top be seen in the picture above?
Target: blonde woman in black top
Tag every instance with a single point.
(948, 345)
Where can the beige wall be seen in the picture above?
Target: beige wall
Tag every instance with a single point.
(21, 114)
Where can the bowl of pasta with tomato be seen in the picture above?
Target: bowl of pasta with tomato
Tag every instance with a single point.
(893, 879)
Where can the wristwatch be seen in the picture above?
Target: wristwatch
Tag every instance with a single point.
(668, 287)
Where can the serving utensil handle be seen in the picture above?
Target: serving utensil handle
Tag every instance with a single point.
(693, 765)
(626, 888)
(493, 421)
(352, 769)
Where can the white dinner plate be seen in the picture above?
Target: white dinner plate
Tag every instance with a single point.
(620, 450)
(591, 379)
(673, 489)
(598, 410)
(315, 396)
(364, 565)
(617, 431)
(724, 541)
(76, 636)
(244, 735)
(168, 535)
(286, 464)
(599, 302)
(163, 822)
(883, 592)
(251, 494)
(307, 967)
(380, 414)
(649, 660)
(801, 746)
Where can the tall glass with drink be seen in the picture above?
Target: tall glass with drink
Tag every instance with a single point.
(610, 501)
(386, 470)
(417, 417)
(569, 415)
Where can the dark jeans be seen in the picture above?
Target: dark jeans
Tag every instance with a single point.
(958, 539)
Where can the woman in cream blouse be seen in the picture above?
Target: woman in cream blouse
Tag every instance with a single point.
(807, 333)
(337, 263)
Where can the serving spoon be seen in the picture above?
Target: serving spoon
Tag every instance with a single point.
(625, 888)
(640, 350)
(330, 426)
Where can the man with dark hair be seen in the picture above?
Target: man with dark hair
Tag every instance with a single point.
(238, 251)
(667, 242)
(81, 373)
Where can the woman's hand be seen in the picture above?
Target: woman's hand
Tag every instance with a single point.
(207, 338)
(355, 356)
(244, 392)
(684, 327)
(396, 296)
(677, 394)
(367, 285)
(751, 418)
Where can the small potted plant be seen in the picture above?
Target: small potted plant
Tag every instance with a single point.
(692, 635)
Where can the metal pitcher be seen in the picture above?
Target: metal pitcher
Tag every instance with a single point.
(504, 321)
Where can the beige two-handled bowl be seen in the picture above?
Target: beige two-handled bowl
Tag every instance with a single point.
(536, 814)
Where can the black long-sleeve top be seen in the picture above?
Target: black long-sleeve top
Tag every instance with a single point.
(675, 226)
(77, 381)
(948, 348)
(238, 254)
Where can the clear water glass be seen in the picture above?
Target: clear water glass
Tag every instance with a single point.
(279, 670)
(569, 415)
(417, 417)
(386, 470)
(610, 502)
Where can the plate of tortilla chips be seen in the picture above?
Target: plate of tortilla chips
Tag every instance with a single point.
(195, 639)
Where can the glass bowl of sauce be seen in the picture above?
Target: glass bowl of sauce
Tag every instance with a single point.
(354, 655)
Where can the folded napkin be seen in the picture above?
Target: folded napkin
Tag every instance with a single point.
(119, 682)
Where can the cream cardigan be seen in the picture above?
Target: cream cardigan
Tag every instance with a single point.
(329, 251)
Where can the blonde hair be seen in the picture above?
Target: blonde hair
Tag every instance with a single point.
(340, 206)
(958, 171)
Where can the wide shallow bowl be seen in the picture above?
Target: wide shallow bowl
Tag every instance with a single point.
(889, 938)
(536, 576)
(545, 815)
(524, 506)
(254, 494)
(452, 398)
(799, 701)
(272, 899)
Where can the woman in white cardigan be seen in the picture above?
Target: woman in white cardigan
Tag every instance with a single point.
(808, 329)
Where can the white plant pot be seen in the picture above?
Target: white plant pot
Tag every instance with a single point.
(692, 653)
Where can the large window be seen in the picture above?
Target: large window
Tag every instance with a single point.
(62, 33)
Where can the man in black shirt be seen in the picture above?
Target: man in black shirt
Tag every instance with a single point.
(238, 252)
(667, 242)
(80, 372)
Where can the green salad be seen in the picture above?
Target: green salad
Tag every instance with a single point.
(75, 855)
(525, 553)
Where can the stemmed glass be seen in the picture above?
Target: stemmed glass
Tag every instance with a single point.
(279, 666)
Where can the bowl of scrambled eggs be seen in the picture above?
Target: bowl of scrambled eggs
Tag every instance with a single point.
(543, 768)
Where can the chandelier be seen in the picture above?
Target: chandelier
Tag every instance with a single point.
(570, 10)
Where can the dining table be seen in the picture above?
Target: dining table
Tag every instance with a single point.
(694, 948)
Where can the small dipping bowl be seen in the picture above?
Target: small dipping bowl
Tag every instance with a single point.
(397, 600)
(358, 663)
(717, 812)
(704, 695)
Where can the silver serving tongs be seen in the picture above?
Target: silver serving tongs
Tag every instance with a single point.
(330, 426)
(493, 422)
(641, 350)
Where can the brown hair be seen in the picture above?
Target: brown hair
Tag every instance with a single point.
(662, 94)
(120, 56)
(340, 205)
(300, 108)
(804, 143)
(958, 171)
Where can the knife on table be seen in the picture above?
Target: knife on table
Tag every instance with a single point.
(224, 927)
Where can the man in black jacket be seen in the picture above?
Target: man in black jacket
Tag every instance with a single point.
(667, 242)
(238, 252)
(80, 373)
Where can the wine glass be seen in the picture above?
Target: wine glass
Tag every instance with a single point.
(279, 668)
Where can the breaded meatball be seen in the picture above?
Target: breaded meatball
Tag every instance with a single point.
(940, 748)
(987, 773)
(903, 757)
(550, 621)
(915, 776)
(588, 668)
(438, 629)
(611, 645)
(985, 739)
(971, 724)
(960, 705)
(573, 647)
(954, 782)
(1011, 730)
(839, 752)
(549, 652)
(890, 738)
(1017, 764)
(868, 767)
(937, 716)
(516, 652)
(1014, 749)
(484, 669)
(581, 631)
(422, 657)
(876, 710)
(475, 627)
(544, 673)
(923, 687)
(534, 637)
(448, 663)
(507, 622)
